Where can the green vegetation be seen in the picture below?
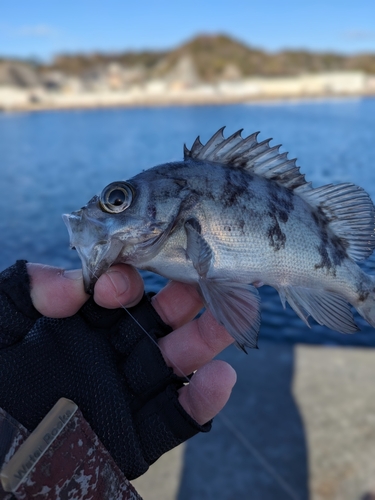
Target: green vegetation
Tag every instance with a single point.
(78, 64)
(207, 58)
(216, 57)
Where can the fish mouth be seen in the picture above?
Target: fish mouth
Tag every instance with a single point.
(96, 250)
(97, 260)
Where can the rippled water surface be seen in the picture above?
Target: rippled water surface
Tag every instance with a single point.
(53, 162)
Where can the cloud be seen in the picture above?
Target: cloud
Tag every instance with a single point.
(29, 31)
(36, 31)
(358, 35)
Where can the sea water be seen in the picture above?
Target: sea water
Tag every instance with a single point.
(53, 162)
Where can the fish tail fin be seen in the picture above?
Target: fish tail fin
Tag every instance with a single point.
(366, 303)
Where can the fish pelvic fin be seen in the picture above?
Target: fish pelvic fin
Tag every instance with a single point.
(349, 213)
(197, 249)
(327, 308)
(234, 305)
(249, 154)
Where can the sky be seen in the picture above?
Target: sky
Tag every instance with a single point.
(43, 28)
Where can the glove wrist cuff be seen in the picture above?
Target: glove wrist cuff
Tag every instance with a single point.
(15, 284)
(62, 455)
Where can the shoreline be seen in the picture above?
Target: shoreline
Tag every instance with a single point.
(110, 100)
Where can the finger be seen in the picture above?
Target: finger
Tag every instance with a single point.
(56, 293)
(121, 285)
(208, 391)
(194, 344)
(177, 303)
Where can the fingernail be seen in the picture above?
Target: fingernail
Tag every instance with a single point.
(73, 274)
(119, 281)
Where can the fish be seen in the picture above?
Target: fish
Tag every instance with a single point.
(236, 214)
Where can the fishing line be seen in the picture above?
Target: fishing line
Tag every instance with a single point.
(228, 424)
(284, 485)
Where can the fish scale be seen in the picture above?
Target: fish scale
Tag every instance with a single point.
(233, 215)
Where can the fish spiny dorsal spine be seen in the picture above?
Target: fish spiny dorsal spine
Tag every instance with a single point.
(346, 208)
(249, 154)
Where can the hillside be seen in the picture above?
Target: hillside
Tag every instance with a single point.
(217, 57)
(207, 69)
(204, 59)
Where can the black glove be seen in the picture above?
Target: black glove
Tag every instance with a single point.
(103, 361)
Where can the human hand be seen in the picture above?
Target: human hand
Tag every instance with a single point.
(191, 346)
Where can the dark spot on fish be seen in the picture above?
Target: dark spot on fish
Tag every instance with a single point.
(363, 295)
(325, 260)
(194, 223)
(241, 225)
(280, 205)
(275, 235)
(151, 210)
(364, 289)
(230, 197)
(236, 185)
(197, 193)
(283, 216)
(227, 228)
(332, 249)
(180, 182)
(282, 198)
(339, 249)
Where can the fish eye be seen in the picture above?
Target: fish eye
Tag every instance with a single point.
(116, 197)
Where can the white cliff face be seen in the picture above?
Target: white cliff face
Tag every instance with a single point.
(114, 84)
(18, 74)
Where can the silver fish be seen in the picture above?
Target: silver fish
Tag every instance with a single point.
(233, 215)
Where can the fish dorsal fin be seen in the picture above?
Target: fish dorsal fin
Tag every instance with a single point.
(249, 154)
(350, 213)
(346, 208)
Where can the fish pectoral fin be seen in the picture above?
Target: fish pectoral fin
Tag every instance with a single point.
(197, 249)
(327, 308)
(236, 306)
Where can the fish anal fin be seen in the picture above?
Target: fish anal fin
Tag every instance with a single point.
(236, 306)
(288, 294)
(327, 308)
